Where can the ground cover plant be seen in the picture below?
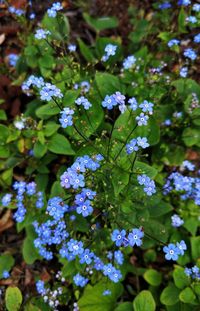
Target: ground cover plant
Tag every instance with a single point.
(99, 157)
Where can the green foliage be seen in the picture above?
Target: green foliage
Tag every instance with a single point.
(13, 298)
(144, 301)
(92, 297)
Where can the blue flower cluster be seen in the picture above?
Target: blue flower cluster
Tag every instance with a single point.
(84, 85)
(129, 62)
(135, 144)
(42, 34)
(122, 239)
(193, 272)
(73, 176)
(22, 188)
(110, 50)
(197, 38)
(5, 274)
(149, 185)
(80, 280)
(173, 42)
(66, 117)
(118, 99)
(52, 12)
(47, 91)
(188, 186)
(176, 221)
(173, 251)
(18, 12)
(190, 53)
(49, 296)
(82, 101)
(13, 58)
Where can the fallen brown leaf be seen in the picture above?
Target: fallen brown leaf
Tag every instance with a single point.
(6, 221)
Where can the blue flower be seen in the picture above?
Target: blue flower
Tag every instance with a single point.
(72, 47)
(118, 237)
(133, 103)
(13, 58)
(188, 165)
(147, 106)
(5, 274)
(119, 98)
(75, 247)
(143, 179)
(85, 209)
(142, 119)
(165, 5)
(184, 2)
(132, 146)
(109, 102)
(52, 12)
(149, 188)
(31, 188)
(41, 34)
(56, 208)
(171, 252)
(40, 287)
(183, 72)
(119, 257)
(86, 257)
(190, 53)
(135, 237)
(196, 7)
(129, 62)
(173, 42)
(49, 91)
(176, 221)
(197, 38)
(181, 247)
(191, 19)
(106, 292)
(84, 102)
(188, 271)
(80, 280)
(142, 142)
(66, 120)
(110, 49)
(6, 200)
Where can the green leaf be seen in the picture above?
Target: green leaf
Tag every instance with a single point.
(144, 168)
(46, 111)
(39, 149)
(187, 295)
(3, 115)
(144, 302)
(59, 26)
(4, 133)
(125, 306)
(119, 180)
(29, 252)
(180, 278)
(101, 23)
(86, 51)
(50, 128)
(195, 247)
(107, 84)
(46, 61)
(6, 263)
(153, 277)
(170, 295)
(13, 298)
(181, 21)
(191, 136)
(93, 298)
(191, 224)
(59, 144)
